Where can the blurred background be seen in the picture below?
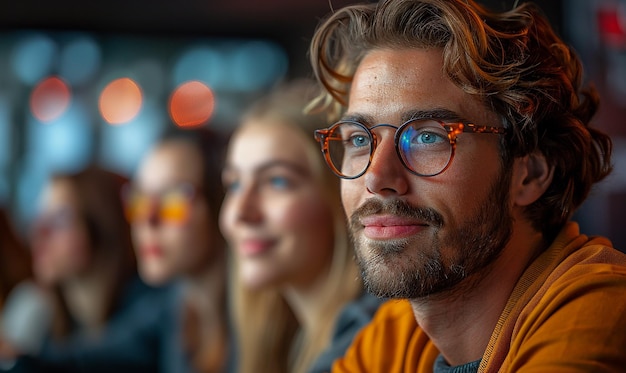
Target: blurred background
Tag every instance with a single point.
(95, 81)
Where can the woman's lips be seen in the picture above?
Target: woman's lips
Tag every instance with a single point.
(388, 227)
(252, 247)
(151, 251)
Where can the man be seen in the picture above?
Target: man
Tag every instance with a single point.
(464, 146)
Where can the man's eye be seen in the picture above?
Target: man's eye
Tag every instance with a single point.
(428, 138)
(359, 141)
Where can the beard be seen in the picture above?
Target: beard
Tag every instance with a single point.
(444, 257)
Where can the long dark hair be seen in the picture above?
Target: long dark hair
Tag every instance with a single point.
(98, 192)
(15, 260)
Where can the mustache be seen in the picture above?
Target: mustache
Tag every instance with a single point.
(395, 207)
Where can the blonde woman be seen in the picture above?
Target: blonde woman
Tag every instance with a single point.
(298, 299)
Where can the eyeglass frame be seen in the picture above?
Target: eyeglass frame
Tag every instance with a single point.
(452, 129)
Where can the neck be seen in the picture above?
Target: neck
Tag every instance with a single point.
(205, 290)
(86, 298)
(304, 300)
(461, 325)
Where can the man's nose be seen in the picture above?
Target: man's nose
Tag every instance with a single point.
(386, 174)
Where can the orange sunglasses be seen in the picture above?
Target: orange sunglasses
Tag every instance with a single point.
(170, 206)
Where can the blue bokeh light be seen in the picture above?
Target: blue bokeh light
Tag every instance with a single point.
(80, 60)
(34, 57)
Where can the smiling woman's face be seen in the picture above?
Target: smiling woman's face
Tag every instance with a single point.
(274, 215)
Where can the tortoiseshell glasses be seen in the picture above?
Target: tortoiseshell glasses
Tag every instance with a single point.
(425, 146)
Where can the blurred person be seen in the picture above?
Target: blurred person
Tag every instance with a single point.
(297, 296)
(15, 261)
(25, 311)
(173, 207)
(83, 256)
(464, 146)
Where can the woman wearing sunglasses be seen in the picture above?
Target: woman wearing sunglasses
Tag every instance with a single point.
(173, 206)
(298, 298)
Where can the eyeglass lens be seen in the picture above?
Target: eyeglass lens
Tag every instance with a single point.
(170, 206)
(423, 146)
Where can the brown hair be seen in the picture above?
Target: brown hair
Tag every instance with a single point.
(15, 260)
(513, 61)
(98, 192)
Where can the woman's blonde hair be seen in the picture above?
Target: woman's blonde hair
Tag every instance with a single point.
(269, 337)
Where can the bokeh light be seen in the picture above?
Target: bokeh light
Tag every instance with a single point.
(204, 64)
(34, 57)
(120, 101)
(150, 76)
(6, 142)
(191, 104)
(122, 147)
(64, 144)
(50, 99)
(80, 60)
(257, 65)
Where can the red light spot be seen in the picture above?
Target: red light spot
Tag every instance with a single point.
(191, 104)
(120, 101)
(612, 26)
(49, 99)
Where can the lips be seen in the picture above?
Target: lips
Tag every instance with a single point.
(387, 227)
(151, 251)
(254, 247)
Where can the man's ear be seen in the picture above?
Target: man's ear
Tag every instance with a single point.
(531, 178)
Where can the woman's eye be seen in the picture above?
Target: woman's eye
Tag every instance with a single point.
(231, 186)
(279, 182)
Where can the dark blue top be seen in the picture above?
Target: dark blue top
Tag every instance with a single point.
(352, 318)
(441, 366)
(129, 343)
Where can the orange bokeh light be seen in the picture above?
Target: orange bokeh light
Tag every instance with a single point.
(191, 104)
(49, 99)
(120, 101)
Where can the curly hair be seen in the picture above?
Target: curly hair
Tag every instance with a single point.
(512, 61)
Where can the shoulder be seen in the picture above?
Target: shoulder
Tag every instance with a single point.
(352, 318)
(26, 317)
(143, 307)
(395, 317)
(592, 266)
(572, 308)
(357, 314)
(392, 341)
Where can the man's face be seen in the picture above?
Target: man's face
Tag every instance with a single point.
(417, 236)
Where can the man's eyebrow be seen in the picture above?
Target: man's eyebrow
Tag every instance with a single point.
(365, 119)
(436, 113)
